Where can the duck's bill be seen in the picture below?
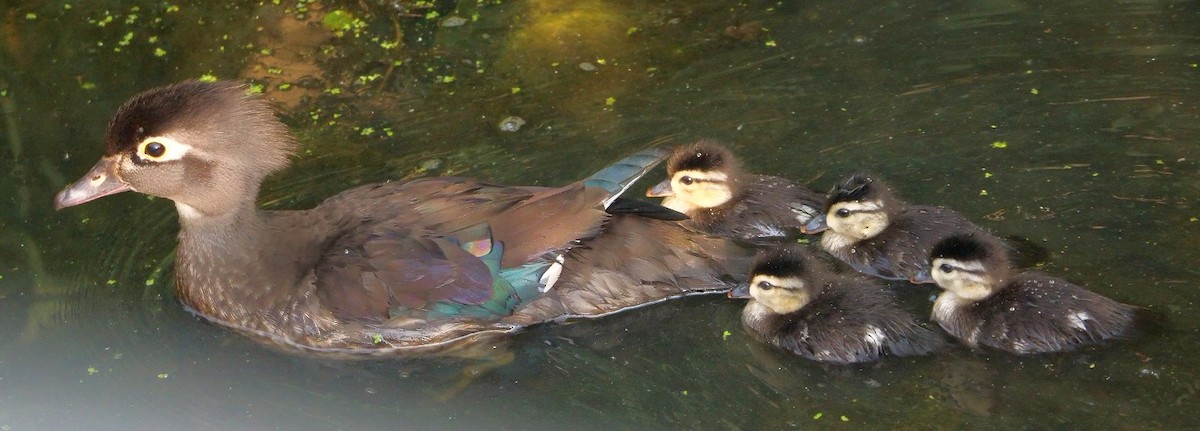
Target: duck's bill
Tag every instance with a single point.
(661, 190)
(99, 182)
(741, 291)
(817, 224)
(922, 277)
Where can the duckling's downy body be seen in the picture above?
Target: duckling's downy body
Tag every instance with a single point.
(400, 266)
(866, 227)
(984, 305)
(799, 306)
(706, 183)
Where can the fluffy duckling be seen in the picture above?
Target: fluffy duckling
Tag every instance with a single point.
(798, 305)
(879, 235)
(705, 182)
(985, 304)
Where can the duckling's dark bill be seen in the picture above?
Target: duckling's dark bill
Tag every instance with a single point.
(98, 182)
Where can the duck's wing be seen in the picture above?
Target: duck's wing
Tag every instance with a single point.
(445, 247)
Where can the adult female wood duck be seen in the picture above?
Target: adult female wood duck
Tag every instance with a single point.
(383, 267)
(705, 181)
(798, 305)
(984, 304)
(879, 235)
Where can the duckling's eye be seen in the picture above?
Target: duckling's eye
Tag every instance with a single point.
(946, 268)
(765, 285)
(843, 213)
(686, 180)
(155, 149)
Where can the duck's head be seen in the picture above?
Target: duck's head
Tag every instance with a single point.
(859, 207)
(971, 266)
(701, 175)
(206, 146)
(783, 280)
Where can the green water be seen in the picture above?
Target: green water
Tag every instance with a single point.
(1074, 124)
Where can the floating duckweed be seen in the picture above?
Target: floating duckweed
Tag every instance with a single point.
(1034, 91)
(388, 44)
(845, 418)
(365, 79)
(1194, 219)
(446, 79)
(771, 43)
(725, 335)
(86, 85)
(256, 88)
(983, 192)
(818, 415)
(159, 52)
(610, 101)
(31, 16)
(601, 61)
(92, 370)
(987, 174)
(366, 131)
(631, 30)
(377, 338)
(111, 282)
(433, 14)
(516, 90)
(172, 9)
(333, 91)
(684, 392)
(208, 77)
(274, 70)
(284, 87)
(131, 18)
(1000, 144)
(67, 6)
(388, 131)
(152, 39)
(163, 375)
(266, 51)
(149, 281)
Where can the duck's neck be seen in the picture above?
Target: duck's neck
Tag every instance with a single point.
(245, 267)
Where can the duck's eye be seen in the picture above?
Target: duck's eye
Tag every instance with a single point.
(946, 268)
(765, 285)
(686, 180)
(843, 213)
(155, 149)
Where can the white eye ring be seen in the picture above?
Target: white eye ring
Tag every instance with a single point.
(161, 149)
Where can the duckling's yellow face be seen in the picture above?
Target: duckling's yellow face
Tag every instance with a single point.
(966, 279)
(694, 189)
(780, 294)
(857, 219)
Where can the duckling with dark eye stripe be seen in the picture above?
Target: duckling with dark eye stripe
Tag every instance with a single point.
(706, 183)
(866, 227)
(798, 305)
(985, 305)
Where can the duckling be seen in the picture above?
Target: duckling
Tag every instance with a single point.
(384, 268)
(984, 304)
(798, 305)
(866, 227)
(706, 183)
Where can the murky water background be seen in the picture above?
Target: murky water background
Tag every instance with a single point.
(1072, 123)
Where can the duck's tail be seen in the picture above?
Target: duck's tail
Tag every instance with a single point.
(617, 178)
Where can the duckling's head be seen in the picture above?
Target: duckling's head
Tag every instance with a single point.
(206, 146)
(859, 207)
(701, 175)
(971, 266)
(785, 279)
